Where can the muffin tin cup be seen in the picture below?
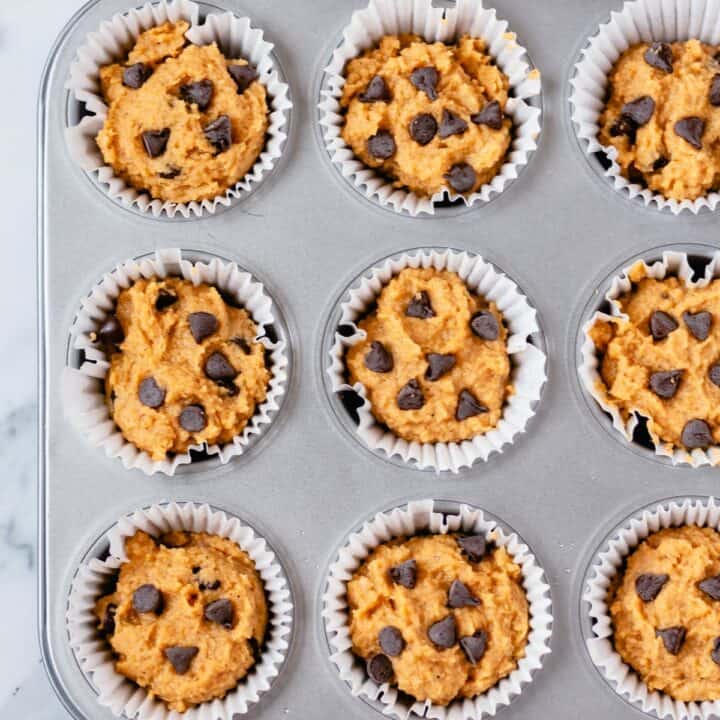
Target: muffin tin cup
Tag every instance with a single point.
(638, 21)
(528, 361)
(433, 24)
(83, 394)
(436, 517)
(125, 698)
(234, 36)
(671, 263)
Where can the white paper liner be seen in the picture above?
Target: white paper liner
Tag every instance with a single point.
(624, 680)
(418, 517)
(389, 17)
(123, 697)
(528, 374)
(638, 21)
(672, 263)
(82, 389)
(234, 36)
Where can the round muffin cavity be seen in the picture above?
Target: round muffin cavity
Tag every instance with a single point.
(185, 367)
(186, 618)
(434, 363)
(663, 117)
(439, 616)
(183, 122)
(428, 115)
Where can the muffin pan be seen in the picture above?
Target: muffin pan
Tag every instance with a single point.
(556, 230)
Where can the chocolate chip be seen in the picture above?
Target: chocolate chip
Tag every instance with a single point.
(673, 638)
(624, 126)
(381, 146)
(711, 587)
(150, 393)
(391, 641)
(378, 359)
(196, 569)
(217, 367)
(243, 75)
(459, 596)
(640, 110)
(491, 115)
(111, 332)
(192, 418)
(422, 128)
(180, 657)
(665, 383)
(172, 171)
(426, 79)
(443, 634)
(661, 325)
(649, 585)
(451, 124)
(134, 76)
(468, 406)
(380, 669)
(164, 300)
(376, 91)
(107, 626)
(659, 55)
(199, 93)
(420, 307)
(220, 612)
(461, 177)
(715, 654)
(410, 396)
(404, 574)
(485, 325)
(698, 323)
(715, 90)
(155, 141)
(714, 374)
(691, 129)
(474, 546)
(147, 598)
(219, 133)
(660, 163)
(202, 325)
(696, 434)
(438, 365)
(474, 646)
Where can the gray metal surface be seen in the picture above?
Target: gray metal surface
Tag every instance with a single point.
(562, 486)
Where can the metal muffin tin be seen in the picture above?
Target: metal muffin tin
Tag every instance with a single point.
(561, 485)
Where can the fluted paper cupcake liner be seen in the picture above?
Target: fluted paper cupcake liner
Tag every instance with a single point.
(234, 36)
(672, 263)
(528, 362)
(125, 698)
(83, 392)
(638, 21)
(606, 565)
(424, 516)
(386, 17)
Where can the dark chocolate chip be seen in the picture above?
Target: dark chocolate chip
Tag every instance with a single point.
(198, 93)
(691, 129)
(660, 163)
(410, 396)
(111, 332)
(459, 596)
(219, 133)
(164, 300)
(696, 434)
(624, 126)
(673, 638)
(202, 325)
(438, 365)
(220, 612)
(107, 625)
(192, 418)
(461, 177)
(376, 91)
(381, 146)
(714, 374)
(698, 323)
(391, 641)
(639, 110)
(491, 115)
(404, 574)
(134, 76)
(665, 383)
(659, 55)
(150, 393)
(147, 598)
(474, 547)
(426, 79)
(379, 359)
(217, 367)
(443, 634)
(380, 669)
(711, 587)
(485, 325)
(715, 654)
(661, 325)
(172, 171)
(155, 141)
(474, 646)
(451, 124)
(196, 569)
(715, 90)
(180, 657)
(420, 307)
(422, 128)
(468, 406)
(243, 75)
(649, 585)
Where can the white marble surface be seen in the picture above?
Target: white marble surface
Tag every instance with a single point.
(27, 30)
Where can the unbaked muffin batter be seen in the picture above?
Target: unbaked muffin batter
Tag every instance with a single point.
(187, 617)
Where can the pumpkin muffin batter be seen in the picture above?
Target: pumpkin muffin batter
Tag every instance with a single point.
(183, 122)
(663, 117)
(441, 621)
(185, 367)
(666, 613)
(434, 363)
(662, 361)
(187, 617)
(428, 115)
